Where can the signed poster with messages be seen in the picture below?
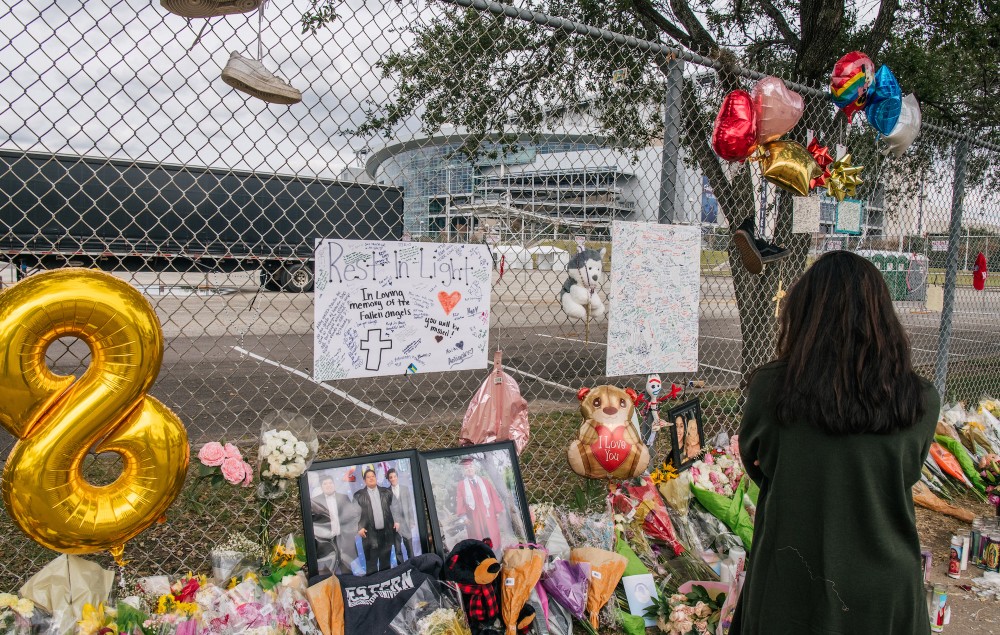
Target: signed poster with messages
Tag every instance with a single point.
(396, 308)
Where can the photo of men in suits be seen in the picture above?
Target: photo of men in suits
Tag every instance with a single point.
(332, 514)
(376, 525)
(403, 509)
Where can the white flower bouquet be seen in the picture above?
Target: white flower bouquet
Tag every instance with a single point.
(288, 445)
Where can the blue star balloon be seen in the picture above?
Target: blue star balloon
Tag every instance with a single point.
(885, 101)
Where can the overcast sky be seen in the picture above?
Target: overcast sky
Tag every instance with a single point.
(115, 78)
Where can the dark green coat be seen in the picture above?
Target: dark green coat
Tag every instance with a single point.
(835, 546)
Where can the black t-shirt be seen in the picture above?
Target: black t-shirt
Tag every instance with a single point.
(371, 602)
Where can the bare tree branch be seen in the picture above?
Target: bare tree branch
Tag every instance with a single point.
(880, 27)
(702, 40)
(645, 9)
(790, 36)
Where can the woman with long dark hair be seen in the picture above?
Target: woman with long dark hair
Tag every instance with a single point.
(835, 432)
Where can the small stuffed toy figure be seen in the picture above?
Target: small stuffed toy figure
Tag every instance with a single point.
(473, 568)
(586, 271)
(609, 446)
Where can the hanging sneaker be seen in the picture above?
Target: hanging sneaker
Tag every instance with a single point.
(249, 76)
(756, 252)
(209, 8)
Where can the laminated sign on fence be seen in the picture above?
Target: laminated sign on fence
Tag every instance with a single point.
(655, 291)
(393, 308)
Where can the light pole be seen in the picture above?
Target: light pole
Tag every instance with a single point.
(447, 204)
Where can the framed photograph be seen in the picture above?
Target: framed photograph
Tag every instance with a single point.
(687, 439)
(476, 492)
(362, 514)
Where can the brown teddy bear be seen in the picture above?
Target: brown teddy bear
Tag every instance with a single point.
(609, 445)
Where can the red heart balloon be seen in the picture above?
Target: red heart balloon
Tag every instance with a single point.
(734, 136)
(610, 449)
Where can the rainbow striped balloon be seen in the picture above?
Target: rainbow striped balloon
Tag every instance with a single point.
(852, 76)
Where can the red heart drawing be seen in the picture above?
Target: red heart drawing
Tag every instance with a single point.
(449, 300)
(610, 449)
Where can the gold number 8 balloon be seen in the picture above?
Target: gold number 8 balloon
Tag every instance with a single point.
(58, 419)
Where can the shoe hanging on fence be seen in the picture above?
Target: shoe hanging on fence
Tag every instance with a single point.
(209, 8)
(249, 76)
(756, 252)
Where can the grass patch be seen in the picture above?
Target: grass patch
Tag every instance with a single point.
(970, 380)
(936, 277)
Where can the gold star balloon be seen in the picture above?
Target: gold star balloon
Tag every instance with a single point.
(843, 180)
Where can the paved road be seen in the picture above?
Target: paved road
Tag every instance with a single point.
(234, 352)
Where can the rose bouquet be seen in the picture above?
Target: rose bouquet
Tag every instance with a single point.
(219, 464)
(694, 613)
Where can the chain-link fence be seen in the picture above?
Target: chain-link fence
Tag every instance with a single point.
(121, 148)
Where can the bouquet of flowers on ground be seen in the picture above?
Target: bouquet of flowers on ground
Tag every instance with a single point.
(719, 473)
(431, 610)
(719, 485)
(15, 614)
(694, 613)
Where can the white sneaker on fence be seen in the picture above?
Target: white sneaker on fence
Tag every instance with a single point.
(249, 76)
(209, 8)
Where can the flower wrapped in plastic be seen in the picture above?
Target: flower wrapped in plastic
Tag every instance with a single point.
(431, 610)
(520, 571)
(566, 583)
(595, 529)
(288, 445)
(19, 616)
(652, 512)
(719, 484)
(606, 569)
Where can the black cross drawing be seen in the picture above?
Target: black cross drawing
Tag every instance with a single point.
(375, 344)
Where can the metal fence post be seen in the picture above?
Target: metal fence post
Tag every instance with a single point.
(671, 143)
(951, 270)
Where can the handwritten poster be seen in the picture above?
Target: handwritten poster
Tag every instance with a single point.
(805, 214)
(848, 217)
(655, 291)
(395, 308)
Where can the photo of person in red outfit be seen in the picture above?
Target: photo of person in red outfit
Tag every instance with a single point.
(477, 500)
(476, 493)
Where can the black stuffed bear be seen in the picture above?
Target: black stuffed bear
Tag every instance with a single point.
(473, 568)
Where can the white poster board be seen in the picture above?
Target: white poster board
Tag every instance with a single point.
(392, 308)
(805, 214)
(655, 290)
(848, 217)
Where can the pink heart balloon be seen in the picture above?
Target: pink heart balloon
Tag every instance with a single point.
(778, 109)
